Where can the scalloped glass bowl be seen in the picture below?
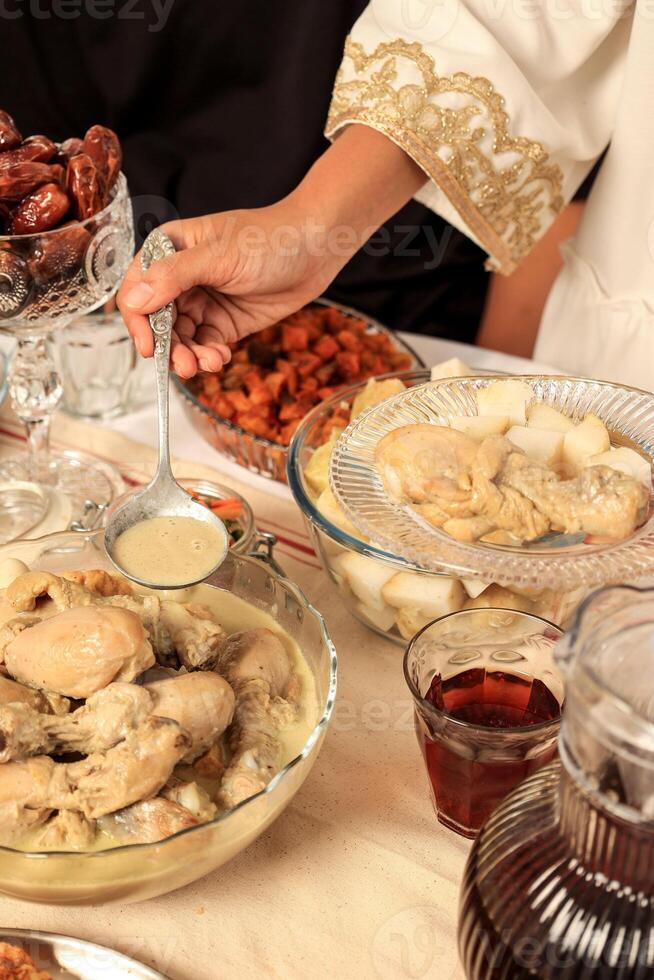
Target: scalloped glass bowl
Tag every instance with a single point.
(137, 872)
(559, 561)
(331, 542)
(255, 453)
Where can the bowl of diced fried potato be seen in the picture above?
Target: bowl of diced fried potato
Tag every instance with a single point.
(251, 409)
(386, 592)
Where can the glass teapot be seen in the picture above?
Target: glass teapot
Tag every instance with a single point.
(560, 882)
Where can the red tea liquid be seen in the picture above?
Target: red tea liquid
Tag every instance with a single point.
(466, 784)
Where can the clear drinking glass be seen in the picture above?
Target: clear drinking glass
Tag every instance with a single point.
(96, 358)
(488, 700)
(46, 280)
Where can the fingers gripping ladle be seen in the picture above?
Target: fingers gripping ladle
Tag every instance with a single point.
(163, 496)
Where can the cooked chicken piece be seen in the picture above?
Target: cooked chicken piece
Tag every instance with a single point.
(25, 591)
(107, 718)
(12, 627)
(257, 666)
(179, 633)
(211, 765)
(99, 582)
(476, 490)
(11, 692)
(65, 831)
(196, 638)
(192, 797)
(256, 654)
(423, 463)
(202, 703)
(501, 505)
(148, 609)
(16, 821)
(600, 501)
(467, 528)
(133, 770)
(157, 673)
(79, 651)
(147, 822)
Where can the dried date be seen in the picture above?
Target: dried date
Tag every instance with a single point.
(40, 211)
(85, 186)
(103, 147)
(58, 174)
(20, 179)
(60, 253)
(35, 149)
(9, 134)
(69, 148)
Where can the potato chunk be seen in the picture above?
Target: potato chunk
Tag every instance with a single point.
(317, 469)
(410, 621)
(452, 368)
(538, 444)
(626, 461)
(589, 438)
(505, 398)
(474, 586)
(382, 619)
(434, 595)
(495, 597)
(540, 416)
(374, 393)
(330, 508)
(479, 427)
(367, 578)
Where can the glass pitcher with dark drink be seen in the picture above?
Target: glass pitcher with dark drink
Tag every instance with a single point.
(560, 881)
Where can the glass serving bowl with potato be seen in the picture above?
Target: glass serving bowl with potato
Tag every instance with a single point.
(389, 594)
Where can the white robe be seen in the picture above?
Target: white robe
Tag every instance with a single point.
(506, 105)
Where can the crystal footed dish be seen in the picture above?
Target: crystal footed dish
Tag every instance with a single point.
(555, 561)
(366, 576)
(135, 872)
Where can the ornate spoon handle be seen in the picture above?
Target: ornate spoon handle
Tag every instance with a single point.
(158, 246)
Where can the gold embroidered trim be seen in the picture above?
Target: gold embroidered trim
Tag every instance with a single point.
(503, 191)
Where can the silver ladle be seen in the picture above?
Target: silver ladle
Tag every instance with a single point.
(163, 496)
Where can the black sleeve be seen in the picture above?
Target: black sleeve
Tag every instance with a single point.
(584, 190)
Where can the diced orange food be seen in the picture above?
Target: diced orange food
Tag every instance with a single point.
(276, 377)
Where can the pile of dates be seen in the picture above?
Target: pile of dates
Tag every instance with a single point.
(44, 185)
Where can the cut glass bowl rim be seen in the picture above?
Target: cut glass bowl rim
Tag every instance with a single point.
(629, 416)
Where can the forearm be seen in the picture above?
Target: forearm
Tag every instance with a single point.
(515, 303)
(358, 184)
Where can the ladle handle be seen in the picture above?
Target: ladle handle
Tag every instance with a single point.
(158, 246)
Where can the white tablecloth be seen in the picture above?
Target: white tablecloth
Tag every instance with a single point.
(356, 878)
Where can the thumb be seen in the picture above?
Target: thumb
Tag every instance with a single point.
(145, 292)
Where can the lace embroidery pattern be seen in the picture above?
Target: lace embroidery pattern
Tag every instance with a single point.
(456, 128)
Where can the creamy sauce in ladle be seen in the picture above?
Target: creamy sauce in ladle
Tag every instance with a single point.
(170, 550)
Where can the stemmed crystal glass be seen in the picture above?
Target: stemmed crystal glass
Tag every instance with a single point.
(47, 280)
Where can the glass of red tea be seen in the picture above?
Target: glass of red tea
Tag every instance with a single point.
(488, 699)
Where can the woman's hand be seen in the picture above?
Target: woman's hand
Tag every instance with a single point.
(238, 272)
(233, 274)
